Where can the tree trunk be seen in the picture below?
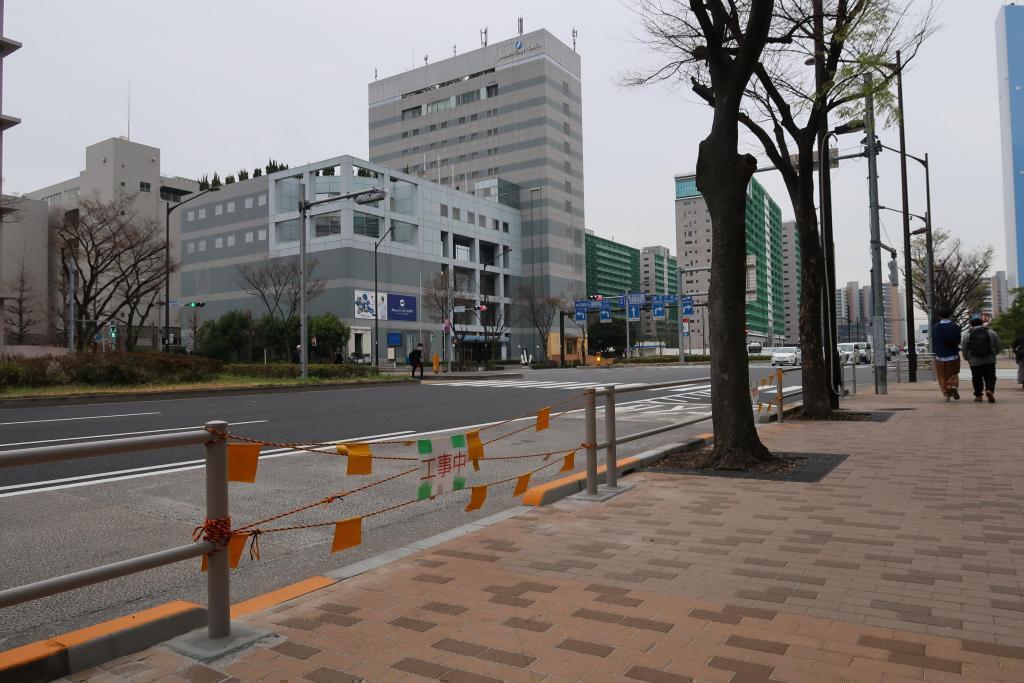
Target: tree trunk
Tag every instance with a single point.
(815, 381)
(722, 178)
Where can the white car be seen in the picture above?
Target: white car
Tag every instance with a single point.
(786, 355)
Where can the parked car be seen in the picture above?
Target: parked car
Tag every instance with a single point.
(786, 355)
(854, 352)
(753, 349)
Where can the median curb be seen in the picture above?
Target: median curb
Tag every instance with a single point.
(555, 490)
(131, 397)
(786, 410)
(66, 654)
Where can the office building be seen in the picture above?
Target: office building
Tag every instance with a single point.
(766, 322)
(7, 46)
(612, 268)
(791, 284)
(1000, 293)
(854, 319)
(659, 275)
(504, 115)
(1010, 70)
(427, 228)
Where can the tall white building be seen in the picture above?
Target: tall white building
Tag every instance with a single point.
(791, 285)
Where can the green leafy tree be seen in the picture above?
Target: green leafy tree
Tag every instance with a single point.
(243, 174)
(204, 182)
(1010, 323)
(216, 180)
(257, 172)
(229, 338)
(229, 180)
(278, 336)
(330, 332)
(607, 337)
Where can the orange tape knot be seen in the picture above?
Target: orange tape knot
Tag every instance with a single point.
(217, 531)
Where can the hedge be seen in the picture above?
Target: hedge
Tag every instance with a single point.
(291, 370)
(105, 369)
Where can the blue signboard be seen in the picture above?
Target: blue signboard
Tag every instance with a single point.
(633, 312)
(581, 311)
(636, 298)
(606, 314)
(401, 307)
(658, 310)
(394, 338)
(687, 309)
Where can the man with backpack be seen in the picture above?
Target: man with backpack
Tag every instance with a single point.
(946, 346)
(416, 360)
(980, 346)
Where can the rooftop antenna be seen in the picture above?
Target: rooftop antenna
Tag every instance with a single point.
(374, 74)
(454, 51)
(520, 26)
(574, 34)
(483, 37)
(129, 110)
(425, 59)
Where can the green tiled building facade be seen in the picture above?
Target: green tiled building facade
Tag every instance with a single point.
(612, 268)
(766, 308)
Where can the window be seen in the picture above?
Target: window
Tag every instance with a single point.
(262, 200)
(568, 147)
(492, 90)
(433, 127)
(144, 186)
(218, 243)
(190, 247)
(365, 224)
(439, 105)
(565, 108)
(504, 226)
(444, 210)
(568, 187)
(202, 245)
(565, 127)
(565, 87)
(482, 220)
(231, 207)
(248, 202)
(191, 216)
(415, 131)
(218, 210)
(248, 237)
(405, 133)
(474, 117)
(288, 231)
(568, 166)
(456, 213)
(202, 214)
(262, 235)
(231, 240)
(470, 217)
(403, 232)
(496, 226)
(467, 97)
(412, 112)
(122, 183)
(326, 224)
(568, 206)
(462, 119)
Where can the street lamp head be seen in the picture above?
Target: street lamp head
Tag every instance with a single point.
(370, 196)
(849, 127)
(920, 231)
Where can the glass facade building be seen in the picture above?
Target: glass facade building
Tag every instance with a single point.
(1010, 66)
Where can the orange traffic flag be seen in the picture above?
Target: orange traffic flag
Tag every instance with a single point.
(475, 449)
(243, 458)
(478, 494)
(543, 419)
(235, 547)
(570, 462)
(347, 534)
(360, 458)
(522, 484)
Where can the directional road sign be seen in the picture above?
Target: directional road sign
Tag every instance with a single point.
(658, 311)
(688, 309)
(606, 315)
(633, 312)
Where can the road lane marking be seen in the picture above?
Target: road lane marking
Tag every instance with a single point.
(65, 419)
(104, 436)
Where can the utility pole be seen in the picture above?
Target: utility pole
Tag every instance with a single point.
(907, 262)
(877, 301)
(625, 301)
(928, 247)
(679, 308)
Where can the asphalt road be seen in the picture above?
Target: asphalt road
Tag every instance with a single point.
(72, 515)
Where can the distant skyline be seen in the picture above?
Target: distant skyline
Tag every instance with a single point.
(227, 85)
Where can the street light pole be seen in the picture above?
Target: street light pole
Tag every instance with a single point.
(907, 262)
(878, 303)
(928, 246)
(167, 262)
(376, 302)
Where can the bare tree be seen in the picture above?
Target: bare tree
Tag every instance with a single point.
(20, 314)
(100, 242)
(142, 272)
(716, 45)
(540, 312)
(277, 284)
(189, 319)
(961, 275)
(442, 292)
(813, 64)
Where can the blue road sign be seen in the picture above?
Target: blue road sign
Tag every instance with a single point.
(633, 312)
(688, 309)
(606, 315)
(686, 300)
(658, 310)
(638, 298)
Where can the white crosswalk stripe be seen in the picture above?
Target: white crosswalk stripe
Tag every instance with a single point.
(527, 384)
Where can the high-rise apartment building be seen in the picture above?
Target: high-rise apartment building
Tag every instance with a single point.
(659, 275)
(1010, 68)
(612, 268)
(507, 115)
(853, 313)
(1001, 298)
(765, 308)
(791, 284)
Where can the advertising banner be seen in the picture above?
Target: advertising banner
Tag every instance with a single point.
(364, 306)
(401, 307)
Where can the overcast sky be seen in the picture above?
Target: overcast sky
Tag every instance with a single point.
(224, 85)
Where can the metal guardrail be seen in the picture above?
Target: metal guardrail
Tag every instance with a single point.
(217, 576)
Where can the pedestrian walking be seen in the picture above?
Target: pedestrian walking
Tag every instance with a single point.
(946, 345)
(1018, 353)
(416, 360)
(981, 346)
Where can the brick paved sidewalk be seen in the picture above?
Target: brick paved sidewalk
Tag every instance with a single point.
(903, 564)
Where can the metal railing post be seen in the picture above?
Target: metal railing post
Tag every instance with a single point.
(853, 367)
(611, 453)
(778, 393)
(899, 371)
(218, 579)
(590, 426)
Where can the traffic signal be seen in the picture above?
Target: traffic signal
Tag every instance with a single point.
(482, 307)
(596, 297)
(195, 304)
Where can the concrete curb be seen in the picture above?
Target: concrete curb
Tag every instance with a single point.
(552, 491)
(84, 399)
(786, 410)
(472, 376)
(76, 651)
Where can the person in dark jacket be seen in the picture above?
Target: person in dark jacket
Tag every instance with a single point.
(1018, 353)
(946, 347)
(981, 349)
(416, 360)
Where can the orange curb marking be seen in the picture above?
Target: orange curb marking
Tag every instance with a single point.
(273, 598)
(535, 496)
(123, 623)
(28, 653)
